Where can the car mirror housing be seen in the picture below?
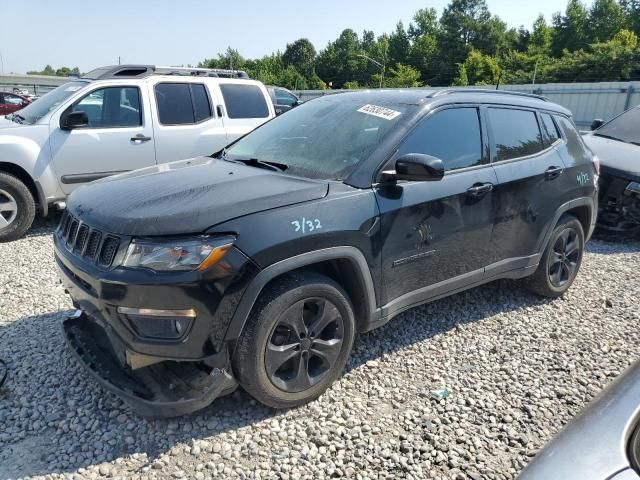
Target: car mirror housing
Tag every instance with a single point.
(417, 167)
(597, 123)
(73, 120)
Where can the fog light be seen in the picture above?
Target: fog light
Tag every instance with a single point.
(159, 324)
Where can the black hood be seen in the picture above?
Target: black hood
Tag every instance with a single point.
(186, 197)
(616, 157)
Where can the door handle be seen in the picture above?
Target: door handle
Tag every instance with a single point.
(480, 189)
(553, 172)
(140, 138)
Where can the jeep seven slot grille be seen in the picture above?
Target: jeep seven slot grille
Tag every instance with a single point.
(91, 244)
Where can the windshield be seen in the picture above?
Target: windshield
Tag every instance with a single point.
(625, 128)
(38, 109)
(324, 139)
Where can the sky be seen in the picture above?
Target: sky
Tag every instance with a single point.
(162, 32)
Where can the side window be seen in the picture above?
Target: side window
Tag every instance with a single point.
(575, 145)
(111, 107)
(244, 101)
(182, 103)
(285, 98)
(549, 129)
(515, 132)
(453, 135)
(12, 99)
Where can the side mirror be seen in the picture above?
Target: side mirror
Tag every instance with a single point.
(417, 167)
(597, 123)
(73, 120)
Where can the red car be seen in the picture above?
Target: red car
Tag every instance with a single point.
(10, 102)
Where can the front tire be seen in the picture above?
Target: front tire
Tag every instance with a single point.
(296, 341)
(561, 259)
(17, 208)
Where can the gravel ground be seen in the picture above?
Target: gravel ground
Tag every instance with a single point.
(517, 368)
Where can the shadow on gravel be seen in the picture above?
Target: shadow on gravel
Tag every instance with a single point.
(54, 418)
(602, 247)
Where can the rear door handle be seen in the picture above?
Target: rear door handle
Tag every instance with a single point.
(553, 172)
(480, 189)
(140, 138)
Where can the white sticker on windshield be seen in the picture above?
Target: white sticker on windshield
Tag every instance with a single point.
(72, 88)
(381, 112)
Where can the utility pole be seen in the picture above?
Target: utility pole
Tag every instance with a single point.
(535, 71)
(381, 65)
(118, 59)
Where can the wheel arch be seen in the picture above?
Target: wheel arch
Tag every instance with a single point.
(346, 265)
(22, 175)
(583, 208)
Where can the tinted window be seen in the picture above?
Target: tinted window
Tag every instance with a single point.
(285, 98)
(244, 101)
(576, 147)
(182, 103)
(174, 103)
(625, 128)
(515, 133)
(111, 107)
(201, 102)
(549, 129)
(12, 99)
(452, 135)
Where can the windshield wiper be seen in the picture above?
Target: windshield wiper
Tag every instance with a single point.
(611, 137)
(254, 162)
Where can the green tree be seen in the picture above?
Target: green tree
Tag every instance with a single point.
(570, 29)
(632, 12)
(606, 18)
(400, 76)
(339, 62)
(481, 69)
(541, 37)
(301, 54)
(425, 23)
(398, 45)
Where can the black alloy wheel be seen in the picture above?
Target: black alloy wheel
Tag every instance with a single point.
(304, 345)
(564, 258)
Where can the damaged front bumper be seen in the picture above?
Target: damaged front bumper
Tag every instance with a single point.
(165, 389)
(619, 211)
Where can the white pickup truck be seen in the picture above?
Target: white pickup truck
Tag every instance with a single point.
(115, 119)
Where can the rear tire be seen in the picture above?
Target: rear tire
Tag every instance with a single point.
(560, 260)
(296, 341)
(17, 208)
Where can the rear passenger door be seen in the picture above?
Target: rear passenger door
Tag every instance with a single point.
(529, 191)
(186, 124)
(245, 106)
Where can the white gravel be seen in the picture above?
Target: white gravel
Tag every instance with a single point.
(518, 368)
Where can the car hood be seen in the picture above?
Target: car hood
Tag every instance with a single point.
(188, 196)
(619, 157)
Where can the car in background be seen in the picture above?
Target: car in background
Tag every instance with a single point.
(115, 119)
(11, 102)
(602, 443)
(283, 99)
(617, 145)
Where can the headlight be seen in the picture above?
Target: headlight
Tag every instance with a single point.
(177, 254)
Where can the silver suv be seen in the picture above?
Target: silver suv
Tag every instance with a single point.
(113, 120)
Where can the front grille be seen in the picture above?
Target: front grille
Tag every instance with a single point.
(93, 245)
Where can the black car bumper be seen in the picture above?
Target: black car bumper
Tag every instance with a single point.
(150, 372)
(164, 389)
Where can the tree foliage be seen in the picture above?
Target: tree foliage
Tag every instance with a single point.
(465, 45)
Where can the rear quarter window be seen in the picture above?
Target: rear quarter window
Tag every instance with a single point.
(244, 101)
(515, 133)
(575, 146)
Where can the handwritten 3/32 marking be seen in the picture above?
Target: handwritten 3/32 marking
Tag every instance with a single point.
(305, 225)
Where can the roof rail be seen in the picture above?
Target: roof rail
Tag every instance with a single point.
(448, 91)
(142, 71)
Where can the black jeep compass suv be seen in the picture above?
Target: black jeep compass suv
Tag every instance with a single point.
(258, 265)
